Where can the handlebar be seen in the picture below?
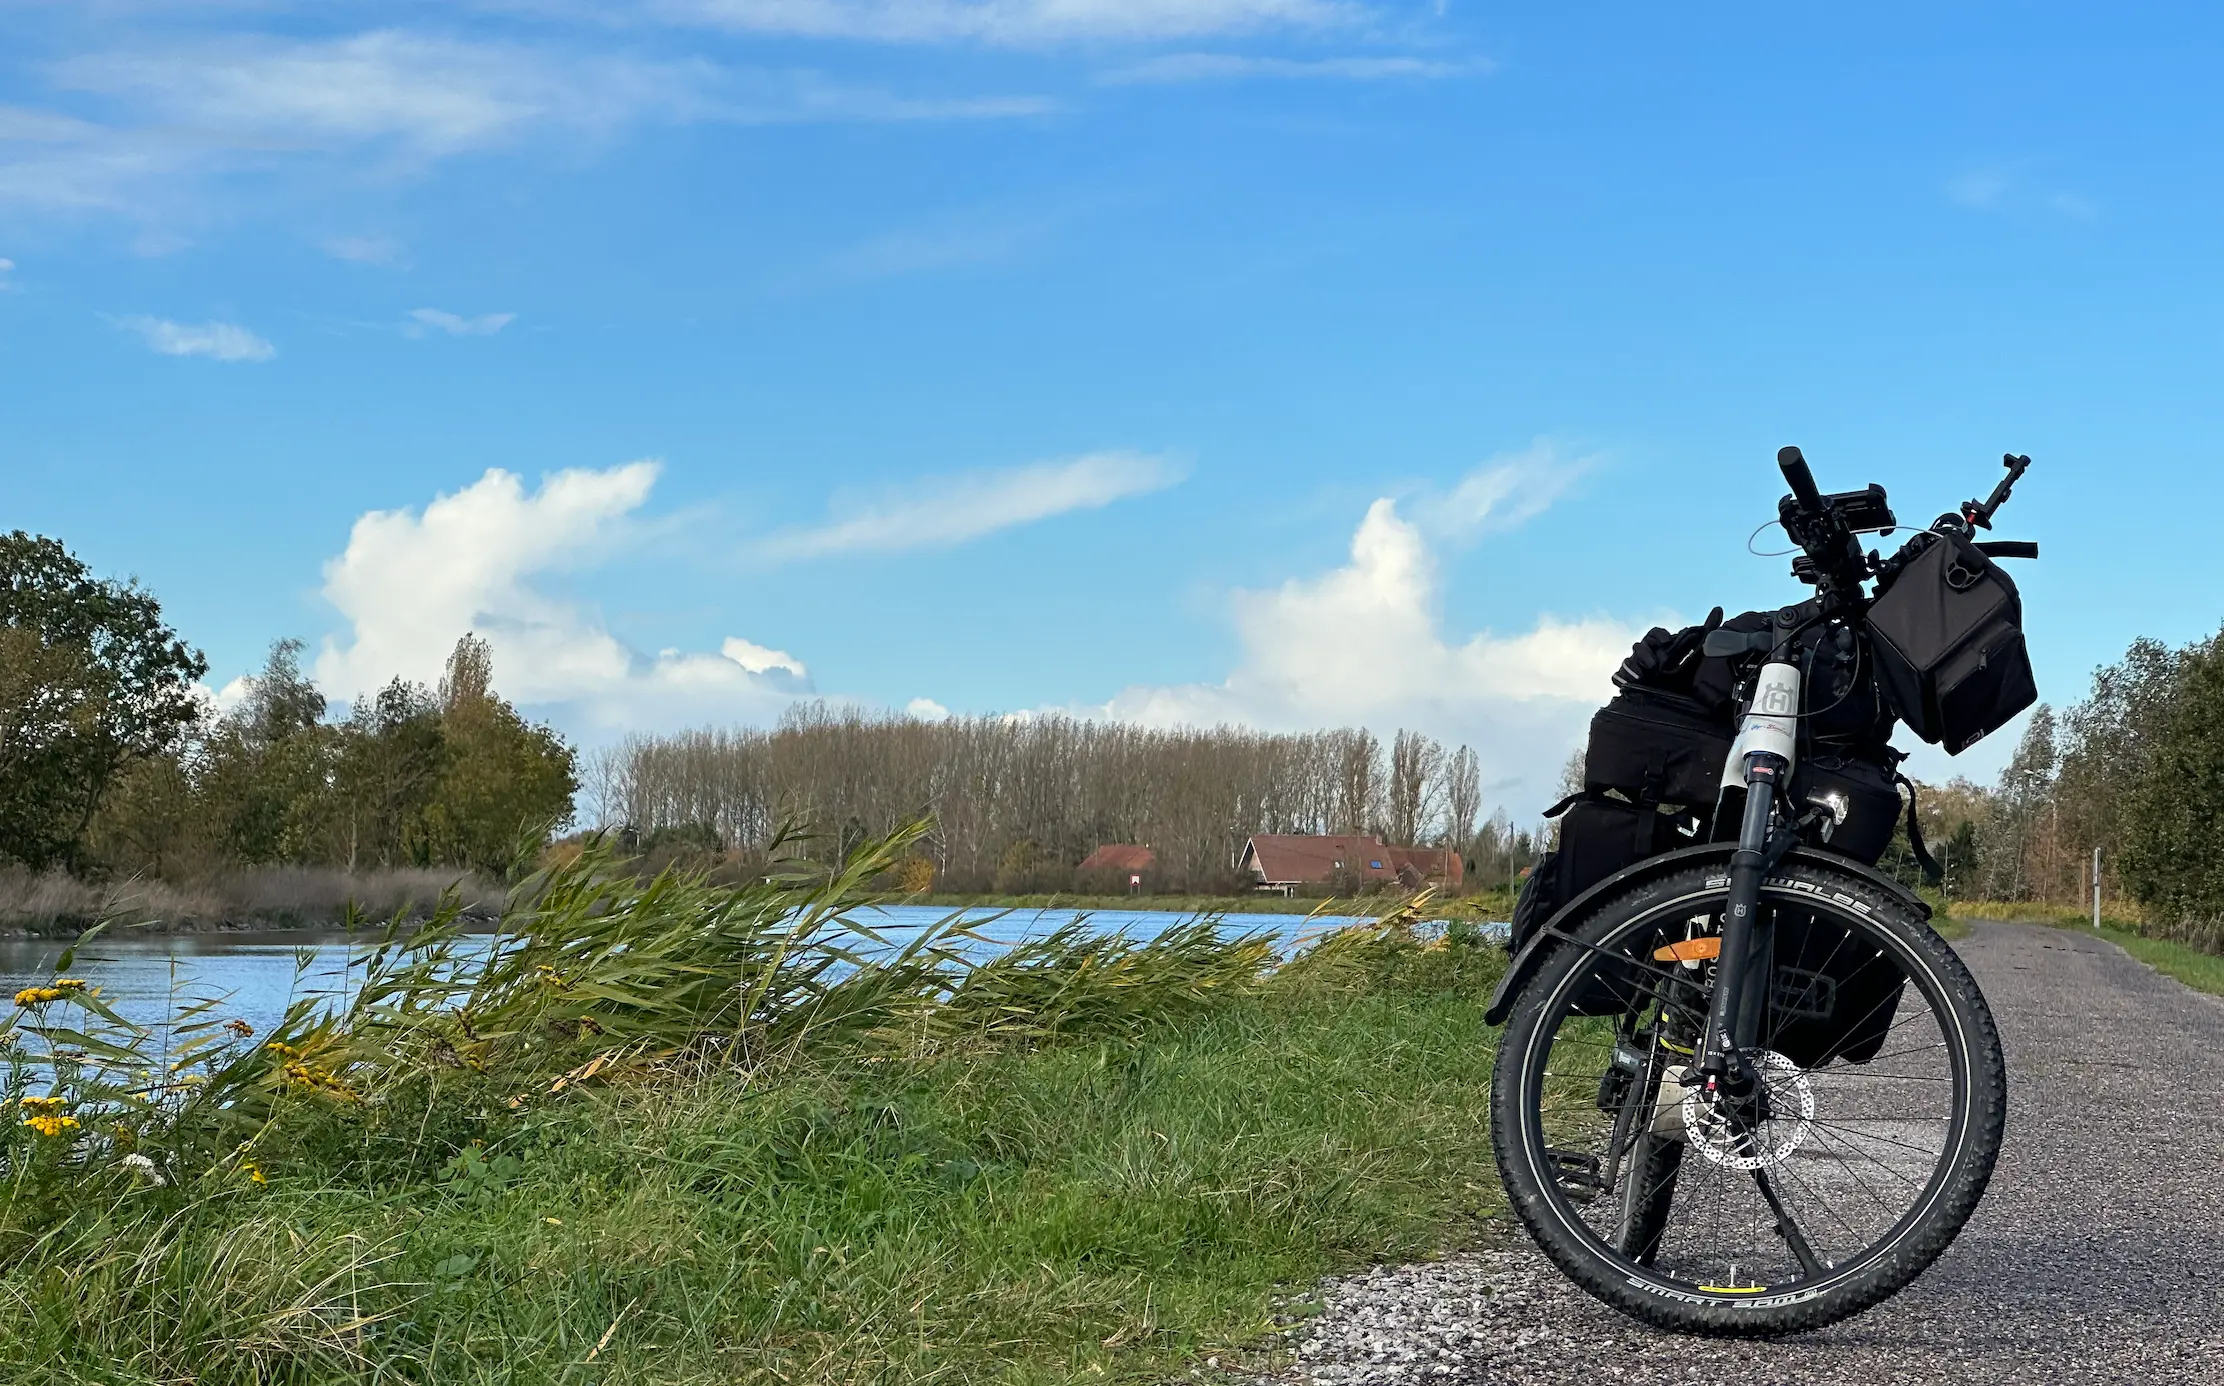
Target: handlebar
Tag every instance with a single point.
(2007, 548)
(1979, 516)
(1802, 480)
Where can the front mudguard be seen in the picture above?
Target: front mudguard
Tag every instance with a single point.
(1555, 929)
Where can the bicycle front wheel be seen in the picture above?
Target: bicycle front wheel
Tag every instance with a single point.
(1858, 1142)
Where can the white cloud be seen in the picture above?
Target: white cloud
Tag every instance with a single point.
(219, 341)
(2011, 189)
(1009, 21)
(1363, 644)
(457, 326)
(411, 583)
(174, 117)
(927, 710)
(430, 95)
(957, 509)
(1504, 493)
(365, 250)
(1171, 68)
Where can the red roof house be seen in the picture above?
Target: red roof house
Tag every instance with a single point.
(1284, 861)
(1120, 856)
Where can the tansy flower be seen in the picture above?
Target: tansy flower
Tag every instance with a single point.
(240, 1028)
(37, 996)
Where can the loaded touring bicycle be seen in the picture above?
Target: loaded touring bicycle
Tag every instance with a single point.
(1744, 1088)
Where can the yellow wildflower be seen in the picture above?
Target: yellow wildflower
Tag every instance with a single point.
(69, 983)
(37, 996)
(240, 1028)
(253, 1171)
(44, 1115)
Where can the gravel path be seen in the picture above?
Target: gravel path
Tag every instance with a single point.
(2097, 1255)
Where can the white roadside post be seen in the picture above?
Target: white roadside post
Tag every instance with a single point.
(2096, 888)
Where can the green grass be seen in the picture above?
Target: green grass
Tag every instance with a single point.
(1086, 1165)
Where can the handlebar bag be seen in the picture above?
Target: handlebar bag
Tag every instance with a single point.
(1948, 640)
(1657, 747)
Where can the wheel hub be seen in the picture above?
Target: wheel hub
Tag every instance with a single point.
(1756, 1130)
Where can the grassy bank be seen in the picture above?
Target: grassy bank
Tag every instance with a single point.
(659, 1142)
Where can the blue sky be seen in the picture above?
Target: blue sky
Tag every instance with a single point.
(1287, 361)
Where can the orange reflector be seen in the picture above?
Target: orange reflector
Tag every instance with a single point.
(1690, 950)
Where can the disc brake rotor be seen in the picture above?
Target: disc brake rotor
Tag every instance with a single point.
(1763, 1137)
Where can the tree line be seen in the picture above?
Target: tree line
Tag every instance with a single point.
(1019, 802)
(114, 761)
(2136, 769)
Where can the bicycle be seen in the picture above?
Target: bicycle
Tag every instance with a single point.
(1744, 1088)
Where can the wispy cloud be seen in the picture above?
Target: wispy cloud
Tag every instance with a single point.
(365, 250)
(420, 93)
(1503, 493)
(455, 325)
(957, 509)
(2012, 188)
(171, 117)
(1008, 21)
(1172, 68)
(219, 341)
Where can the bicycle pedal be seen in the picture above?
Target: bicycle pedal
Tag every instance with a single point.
(1577, 1171)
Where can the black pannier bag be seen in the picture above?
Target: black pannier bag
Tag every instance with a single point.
(1658, 748)
(1948, 637)
(1598, 837)
(1831, 997)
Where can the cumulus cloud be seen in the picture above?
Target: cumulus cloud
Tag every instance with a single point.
(456, 325)
(410, 583)
(954, 510)
(1364, 644)
(1009, 21)
(219, 341)
(926, 710)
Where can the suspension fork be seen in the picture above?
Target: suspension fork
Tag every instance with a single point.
(1734, 1012)
(1762, 758)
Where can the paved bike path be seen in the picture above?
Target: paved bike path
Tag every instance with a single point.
(2097, 1255)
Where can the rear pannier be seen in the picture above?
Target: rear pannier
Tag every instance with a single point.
(1948, 636)
(1658, 748)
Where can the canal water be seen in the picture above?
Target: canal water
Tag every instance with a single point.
(148, 977)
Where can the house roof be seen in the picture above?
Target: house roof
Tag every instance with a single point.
(1119, 856)
(1281, 858)
(1418, 865)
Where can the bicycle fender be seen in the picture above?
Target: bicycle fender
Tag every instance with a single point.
(1532, 953)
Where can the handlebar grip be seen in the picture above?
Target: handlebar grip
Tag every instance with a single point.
(2007, 548)
(1802, 481)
